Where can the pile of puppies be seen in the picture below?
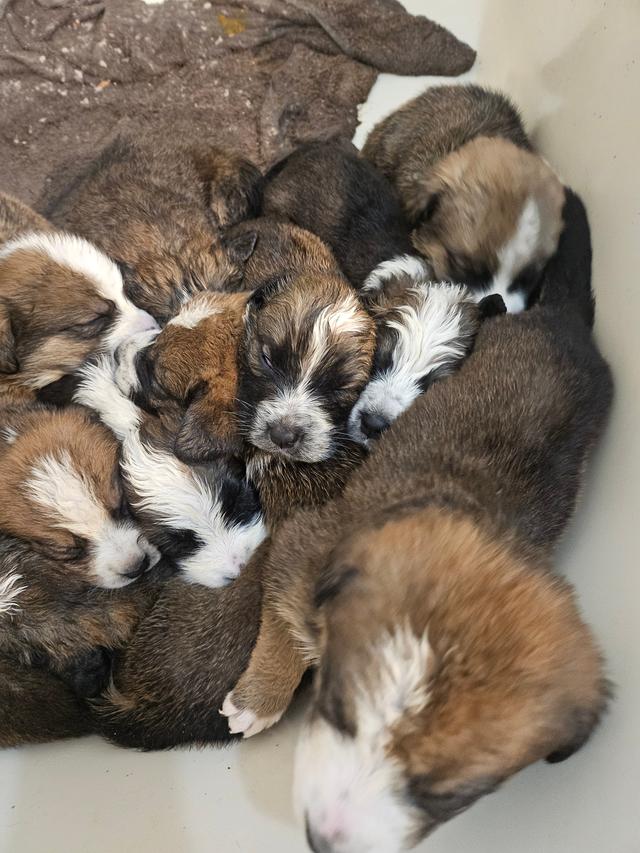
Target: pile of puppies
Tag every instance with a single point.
(221, 467)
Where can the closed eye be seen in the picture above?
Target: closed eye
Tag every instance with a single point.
(265, 357)
(91, 328)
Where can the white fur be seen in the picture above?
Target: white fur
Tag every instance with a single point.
(429, 337)
(85, 259)
(126, 375)
(9, 592)
(9, 435)
(300, 408)
(177, 498)
(350, 789)
(117, 548)
(193, 313)
(401, 265)
(245, 722)
(99, 392)
(514, 256)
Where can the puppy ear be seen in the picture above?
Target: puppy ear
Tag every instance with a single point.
(491, 306)
(241, 246)
(443, 806)
(205, 433)
(59, 393)
(582, 722)
(8, 360)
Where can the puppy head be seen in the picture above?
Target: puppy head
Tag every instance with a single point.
(190, 366)
(162, 270)
(60, 301)
(64, 495)
(306, 355)
(446, 665)
(489, 215)
(422, 335)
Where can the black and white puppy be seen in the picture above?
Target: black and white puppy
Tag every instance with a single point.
(206, 519)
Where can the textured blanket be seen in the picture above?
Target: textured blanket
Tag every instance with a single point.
(257, 75)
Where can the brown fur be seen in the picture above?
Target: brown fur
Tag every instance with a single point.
(156, 208)
(423, 540)
(463, 166)
(17, 218)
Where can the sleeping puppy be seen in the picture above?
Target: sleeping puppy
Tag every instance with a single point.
(68, 547)
(205, 519)
(422, 334)
(61, 300)
(156, 207)
(485, 209)
(329, 189)
(448, 654)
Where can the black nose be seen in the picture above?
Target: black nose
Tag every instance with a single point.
(373, 424)
(140, 569)
(284, 435)
(315, 842)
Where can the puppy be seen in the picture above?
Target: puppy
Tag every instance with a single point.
(61, 300)
(156, 209)
(448, 655)
(206, 519)
(328, 188)
(423, 333)
(485, 209)
(68, 553)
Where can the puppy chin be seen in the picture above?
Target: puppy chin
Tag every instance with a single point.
(126, 374)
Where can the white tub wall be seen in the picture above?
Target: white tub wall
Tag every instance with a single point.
(574, 67)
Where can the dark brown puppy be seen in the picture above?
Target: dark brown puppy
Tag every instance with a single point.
(449, 656)
(329, 189)
(61, 300)
(156, 209)
(485, 208)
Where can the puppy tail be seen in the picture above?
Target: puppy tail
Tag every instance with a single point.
(566, 281)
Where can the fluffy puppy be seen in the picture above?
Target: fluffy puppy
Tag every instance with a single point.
(423, 333)
(329, 189)
(485, 208)
(206, 519)
(449, 656)
(61, 300)
(156, 207)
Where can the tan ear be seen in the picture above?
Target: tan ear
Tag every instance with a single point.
(8, 359)
(208, 430)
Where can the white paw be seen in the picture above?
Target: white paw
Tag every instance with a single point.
(245, 722)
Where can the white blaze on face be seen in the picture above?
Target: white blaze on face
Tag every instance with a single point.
(297, 405)
(429, 337)
(117, 548)
(350, 790)
(194, 311)
(82, 257)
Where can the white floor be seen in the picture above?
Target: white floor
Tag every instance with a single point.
(574, 67)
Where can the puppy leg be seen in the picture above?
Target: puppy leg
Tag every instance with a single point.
(266, 688)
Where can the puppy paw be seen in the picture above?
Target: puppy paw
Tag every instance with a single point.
(244, 721)
(224, 554)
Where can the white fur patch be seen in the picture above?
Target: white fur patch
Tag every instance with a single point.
(429, 337)
(194, 312)
(9, 434)
(514, 256)
(126, 375)
(401, 265)
(117, 548)
(83, 258)
(350, 789)
(246, 722)
(99, 392)
(177, 498)
(9, 592)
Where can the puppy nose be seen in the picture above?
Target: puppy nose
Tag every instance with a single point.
(140, 569)
(373, 424)
(315, 841)
(284, 435)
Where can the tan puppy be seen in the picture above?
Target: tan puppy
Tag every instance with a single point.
(61, 300)
(485, 208)
(156, 208)
(448, 654)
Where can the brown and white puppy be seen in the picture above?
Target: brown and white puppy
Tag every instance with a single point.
(61, 300)
(485, 208)
(329, 189)
(449, 656)
(156, 208)
(204, 518)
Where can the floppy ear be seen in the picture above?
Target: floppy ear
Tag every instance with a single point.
(582, 723)
(8, 360)
(241, 246)
(443, 806)
(206, 432)
(59, 393)
(491, 306)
